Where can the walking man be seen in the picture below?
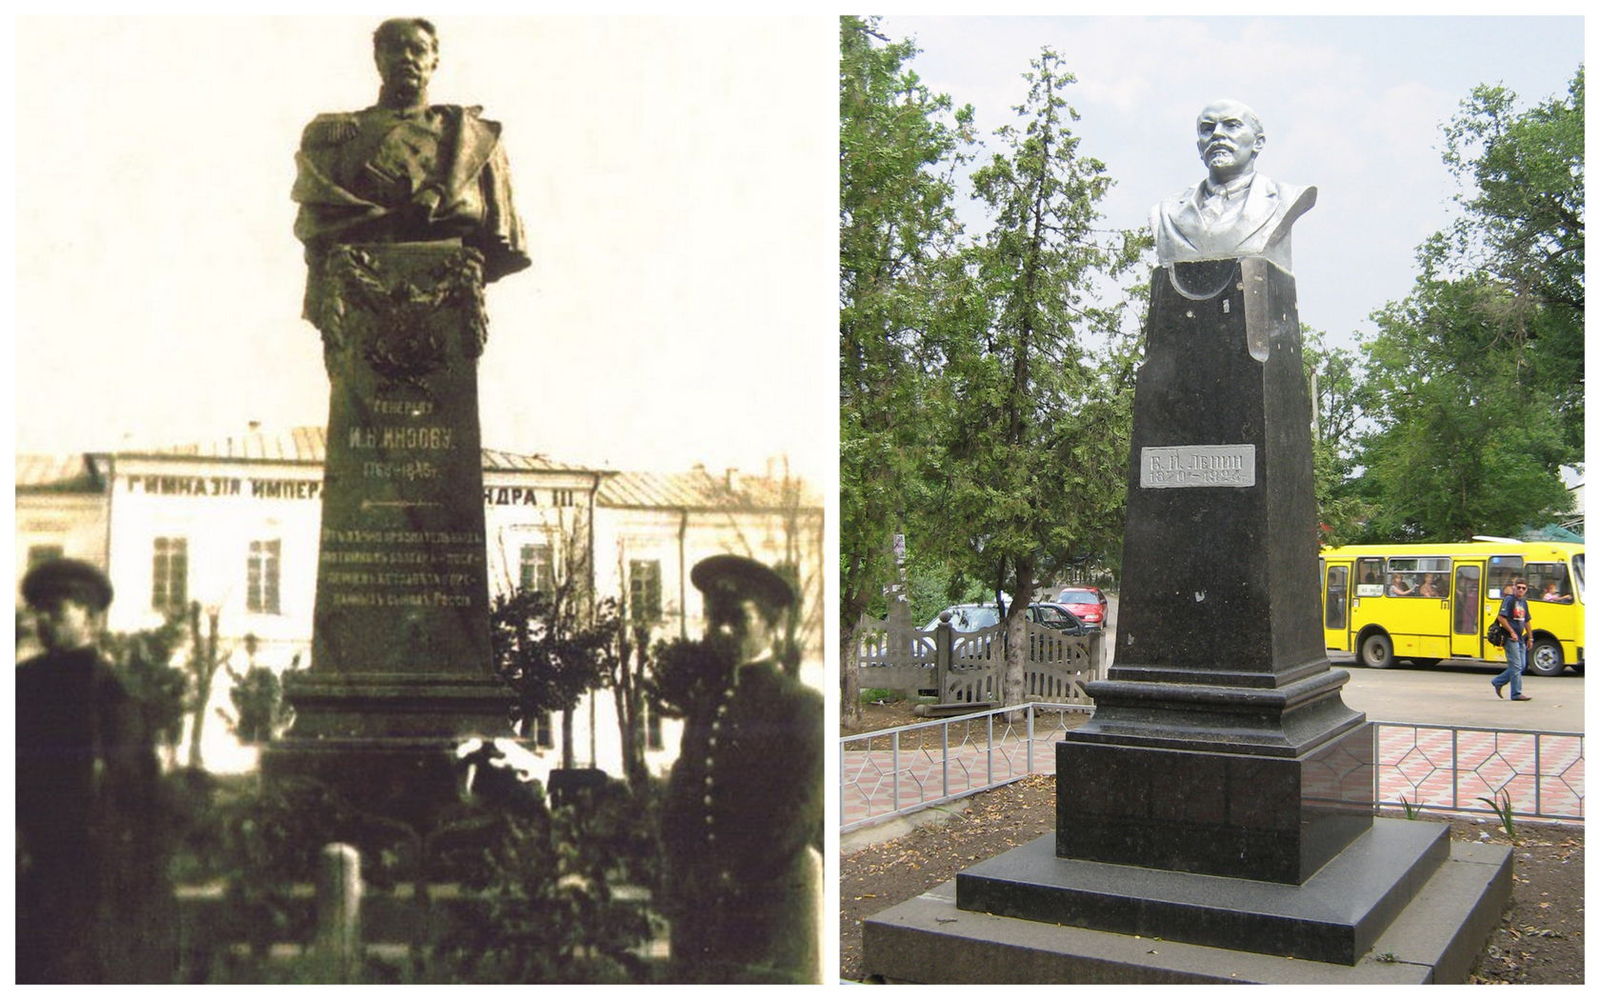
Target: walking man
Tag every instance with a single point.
(1514, 619)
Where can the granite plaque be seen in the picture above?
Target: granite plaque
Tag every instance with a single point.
(1191, 465)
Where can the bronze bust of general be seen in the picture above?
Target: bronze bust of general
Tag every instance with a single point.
(404, 170)
(1235, 211)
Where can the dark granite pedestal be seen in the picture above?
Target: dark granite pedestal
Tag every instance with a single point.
(401, 666)
(1219, 743)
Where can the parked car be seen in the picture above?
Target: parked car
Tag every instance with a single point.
(974, 617)
(1087, 603)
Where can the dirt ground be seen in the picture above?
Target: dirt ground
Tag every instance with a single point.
(1539, 940)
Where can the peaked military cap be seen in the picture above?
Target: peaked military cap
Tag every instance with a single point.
(72, 578)
(738, 576)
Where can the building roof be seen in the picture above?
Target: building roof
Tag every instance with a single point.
(699, 489)
(58, 474)
(309, 446)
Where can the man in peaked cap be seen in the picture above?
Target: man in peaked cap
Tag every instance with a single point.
(88, 877)
(744, 802)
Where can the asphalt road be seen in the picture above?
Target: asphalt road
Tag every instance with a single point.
(1454, 693)
(1457, 693)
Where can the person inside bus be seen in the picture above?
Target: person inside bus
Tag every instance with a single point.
(1430, 586)
(1515, 619)
(1551, 593)
(1398, 587)
(1466, 602)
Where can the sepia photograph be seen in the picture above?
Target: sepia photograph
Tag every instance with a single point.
(425, 446)
(1211, 485)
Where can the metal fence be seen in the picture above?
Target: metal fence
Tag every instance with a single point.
(1445, 769)
(896, 771)
(1455, 768)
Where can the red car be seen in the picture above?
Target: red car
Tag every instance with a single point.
(1085, 602)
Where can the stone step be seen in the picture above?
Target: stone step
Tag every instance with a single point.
(1436, 938)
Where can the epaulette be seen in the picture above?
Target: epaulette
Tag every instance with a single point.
(330, 130)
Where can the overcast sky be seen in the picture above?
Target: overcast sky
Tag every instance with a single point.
(677, 178)
(1351, 105)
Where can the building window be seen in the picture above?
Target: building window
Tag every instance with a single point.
(261, 584)
(544, 731)
(538, 568)
(169, 587)
(43, 553)
(644, 590)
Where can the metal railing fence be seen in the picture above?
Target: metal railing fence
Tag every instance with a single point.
(896, 771)
(1454, 768)
(1448, 769)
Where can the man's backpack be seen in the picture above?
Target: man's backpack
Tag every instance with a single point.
(1497, 634)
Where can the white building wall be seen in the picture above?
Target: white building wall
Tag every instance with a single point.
(73, 522)
(218, 508)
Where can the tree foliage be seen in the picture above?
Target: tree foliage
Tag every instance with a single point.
(1476, 379)
(898, 146)
(550, 647)
(1340, 394)
(1035, 389)
(1468, 441)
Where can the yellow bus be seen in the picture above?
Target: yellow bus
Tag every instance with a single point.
(1427, 603)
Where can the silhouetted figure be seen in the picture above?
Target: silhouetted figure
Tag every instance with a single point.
(93, 902)
(744, 802)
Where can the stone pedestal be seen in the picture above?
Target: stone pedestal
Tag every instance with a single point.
(401, 663)
(1219, 743)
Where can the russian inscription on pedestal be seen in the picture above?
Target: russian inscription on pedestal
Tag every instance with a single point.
(401, 582)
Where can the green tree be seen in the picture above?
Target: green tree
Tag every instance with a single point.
(1340, 395)
(898, 146)
(1467, 440)
(1476, 378)
(550, 646)
(1521, 227)
(1036, 385)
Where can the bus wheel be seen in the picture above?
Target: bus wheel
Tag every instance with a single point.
(1545, 658)
(1377, 650)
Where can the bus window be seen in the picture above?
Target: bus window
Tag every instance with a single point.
(1577, 570)
(1548, 582)
(1502, 570)
(1419, 576)
(1369, 577)
(1466, 621)
(1338, 582)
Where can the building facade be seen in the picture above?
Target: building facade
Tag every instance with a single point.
(233, 526)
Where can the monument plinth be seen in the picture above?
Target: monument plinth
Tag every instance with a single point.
(401, 665)
(405, 211)
(1219, 744)
(401, 632)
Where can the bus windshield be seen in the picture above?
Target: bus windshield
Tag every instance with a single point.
(1577, 572)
